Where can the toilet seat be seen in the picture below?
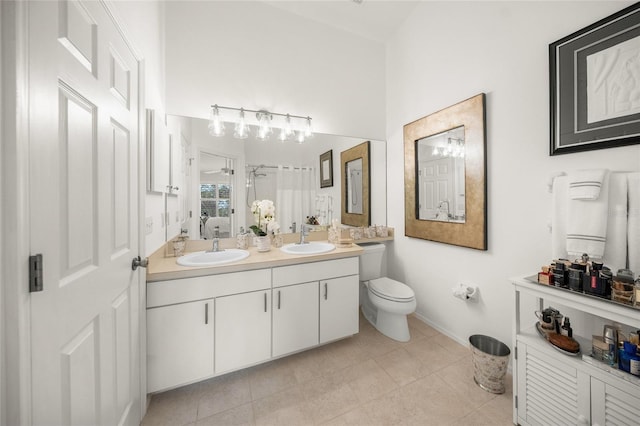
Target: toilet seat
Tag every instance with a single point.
(391, 290)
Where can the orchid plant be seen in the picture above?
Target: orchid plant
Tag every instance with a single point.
(264, 214)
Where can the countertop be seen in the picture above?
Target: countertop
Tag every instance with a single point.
(163, 267)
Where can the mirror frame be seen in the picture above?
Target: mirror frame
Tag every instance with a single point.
(473, 233)
(351, 154)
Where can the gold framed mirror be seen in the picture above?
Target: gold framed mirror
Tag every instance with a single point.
(355, 188)
(445, 175)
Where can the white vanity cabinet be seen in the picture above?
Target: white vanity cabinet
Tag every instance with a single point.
(242, 330)
(179, 332)
(336, 309)
(551, 387)
(205, 326)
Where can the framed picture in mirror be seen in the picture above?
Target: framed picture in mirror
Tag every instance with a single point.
(326, 169)
(355, 187)
(445, 175)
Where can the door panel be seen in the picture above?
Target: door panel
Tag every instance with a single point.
(84, 192)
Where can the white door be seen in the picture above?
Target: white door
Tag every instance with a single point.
(435, 187)
(295, 318)
(83, 136)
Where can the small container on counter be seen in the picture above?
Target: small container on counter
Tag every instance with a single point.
(598, 282)
(628, 359)
(622, 288)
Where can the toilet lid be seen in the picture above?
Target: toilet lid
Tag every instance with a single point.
(391, 289)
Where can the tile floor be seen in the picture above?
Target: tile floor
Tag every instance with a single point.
(367, 379)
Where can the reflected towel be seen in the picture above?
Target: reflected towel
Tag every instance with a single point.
(633, 222)
(615, 252)
(587, 223)
(559, 213)
(586, 184)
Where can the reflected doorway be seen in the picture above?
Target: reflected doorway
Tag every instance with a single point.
(216, 190)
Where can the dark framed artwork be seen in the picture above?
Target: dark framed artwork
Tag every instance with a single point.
(595, 85)
(326, 169)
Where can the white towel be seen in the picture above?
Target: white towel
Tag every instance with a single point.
(633, 224)
(559, 213)
(587, 223)
(615, 251)
(586, 184)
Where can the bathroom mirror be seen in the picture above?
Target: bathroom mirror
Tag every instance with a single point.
(445, 194)
(355, 186)
(261, 171)
(440, 176)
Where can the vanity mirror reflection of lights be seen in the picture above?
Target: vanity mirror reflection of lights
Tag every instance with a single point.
(252, 169)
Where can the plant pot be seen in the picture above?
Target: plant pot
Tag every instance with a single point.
(263, 243)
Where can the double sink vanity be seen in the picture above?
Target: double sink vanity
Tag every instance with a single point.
(204, 321)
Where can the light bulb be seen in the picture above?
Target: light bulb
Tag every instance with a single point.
(216, 126)
(282, 137)
(241, 130)
(435, 151)
(300, 136)
(264, 127)
(287, 129)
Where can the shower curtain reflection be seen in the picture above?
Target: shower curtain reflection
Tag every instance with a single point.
(296, 195)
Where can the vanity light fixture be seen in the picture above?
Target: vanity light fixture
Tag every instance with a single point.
(290, 127)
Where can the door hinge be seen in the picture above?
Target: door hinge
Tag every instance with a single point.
(516, 400)
(35, 273)
(233, 211)
(515, 353)
(190, 214)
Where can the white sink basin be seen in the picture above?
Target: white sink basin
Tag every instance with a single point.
(309, 248)
(211, 258)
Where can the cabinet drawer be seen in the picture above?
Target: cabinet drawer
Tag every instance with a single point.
(316, 271)
(162, 293)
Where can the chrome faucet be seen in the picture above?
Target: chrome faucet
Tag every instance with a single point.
(304, 231)
(216, 240)
(293, 227)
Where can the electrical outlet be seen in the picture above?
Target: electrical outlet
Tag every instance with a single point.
(148, 228)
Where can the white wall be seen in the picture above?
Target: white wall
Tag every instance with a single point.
(257, 56)
(144, 23)
(447, 52)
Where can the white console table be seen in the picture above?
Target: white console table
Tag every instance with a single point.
(551, 387)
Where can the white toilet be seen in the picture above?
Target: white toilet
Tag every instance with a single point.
(385, 302)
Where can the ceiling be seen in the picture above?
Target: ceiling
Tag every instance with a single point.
(374, 19)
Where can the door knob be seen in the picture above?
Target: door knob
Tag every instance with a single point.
(138, 261)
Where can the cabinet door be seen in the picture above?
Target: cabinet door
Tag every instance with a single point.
(295, 318)
(614, 405)
(179, 344)
(549, 391)
(242, 330)
(338, 308)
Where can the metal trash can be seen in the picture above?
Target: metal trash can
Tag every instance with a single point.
(490, 360)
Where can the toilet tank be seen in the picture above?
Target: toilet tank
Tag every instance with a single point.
(371, 261)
